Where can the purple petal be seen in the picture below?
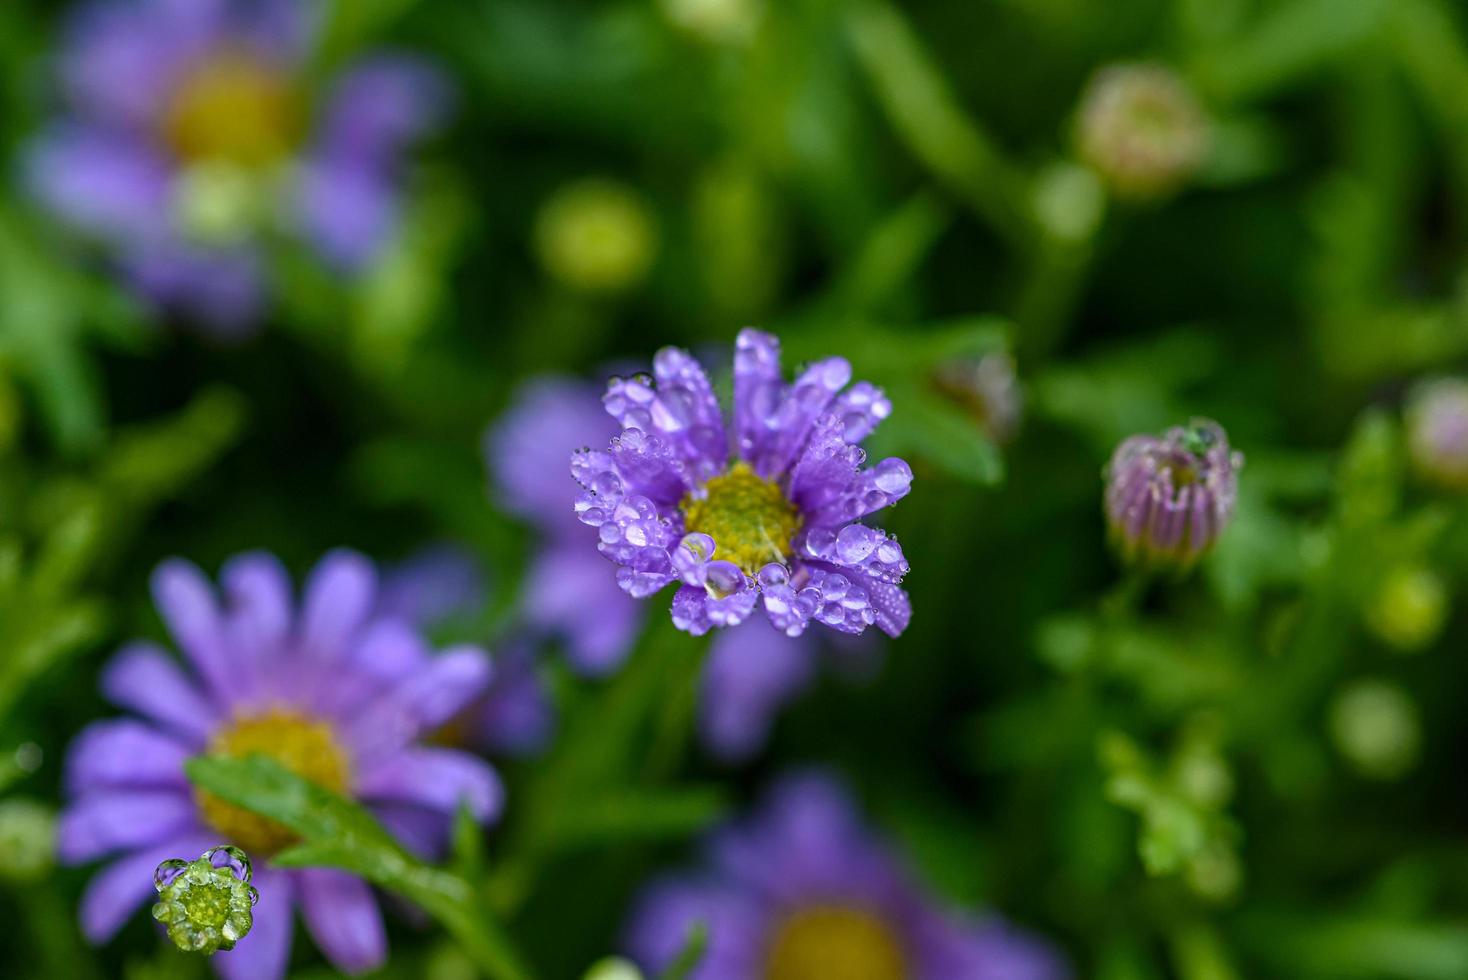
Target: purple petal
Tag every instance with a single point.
(994, 950)
(424, 833)
(569, 593)
(144, 678)
(339, 597)
(440, 779)
(223, 288)
(527, 451)
(668, 912)
(871, 490)
(434, 585)
(108, 185)
(420, 703)
(649, 467)
(186, 601)
(861, 408)
(119, 61)
(752, 671)
(118, 820)
(264, 953)
(125, 754)
(348, 212)
(678, 408)
(260, 598)
(696, 611)
(516, 716)
(805, 401)
(342, 915)
(381, 106)
(892, 606)
(826, 468)
(757, 391)
(865, 551)
(116, 891)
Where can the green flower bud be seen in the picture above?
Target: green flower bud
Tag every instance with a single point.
(27, 840)
(1376, 728)
(206, 903)
(613, 968)
(596, 235)
(1409, 608)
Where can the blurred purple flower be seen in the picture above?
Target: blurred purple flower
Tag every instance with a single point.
(776, 521)
(1169, 497)
(567, 593)
(754, 670)
(803, 889)
(190, 135)
(442, 584)
(331, 689)
(1437, 431)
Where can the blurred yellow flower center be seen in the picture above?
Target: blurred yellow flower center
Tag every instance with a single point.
(748, 517)
(834, 943)
(305, 747)
(232, 108)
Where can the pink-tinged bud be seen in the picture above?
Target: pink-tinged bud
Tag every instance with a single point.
(1437, 432)
(1142, 129)
(1169, 497)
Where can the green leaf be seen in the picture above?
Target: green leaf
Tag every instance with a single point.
(338, 833)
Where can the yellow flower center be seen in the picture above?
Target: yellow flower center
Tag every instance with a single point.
(834, 943)
(748, 517)
(305, 747)
(232, 108)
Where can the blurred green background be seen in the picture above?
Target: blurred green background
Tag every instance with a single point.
(1251, 773)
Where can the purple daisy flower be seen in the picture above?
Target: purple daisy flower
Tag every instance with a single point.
(765, 510)
(332, 690)
(191, 136)
(802, 889)
(567, 592)
(1169, 497)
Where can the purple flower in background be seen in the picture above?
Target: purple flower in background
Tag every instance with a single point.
(803, 889)
(444, 584)
(330, 689)
(1169, 497)
(1437, 432)
(568, 593)
(191, 136)
(775, 520)
(753, 671)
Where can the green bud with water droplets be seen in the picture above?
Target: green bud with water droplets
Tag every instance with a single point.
(206, 903)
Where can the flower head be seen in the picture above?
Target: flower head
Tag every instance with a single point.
(1142, 130)
(766, 510)
(1437, 432)
(332, 690)
(1169, 497)
(206, 903)
(191, 136)
(802, 889)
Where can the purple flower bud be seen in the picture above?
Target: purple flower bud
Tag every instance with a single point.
(1169, 497)
(1437, 432)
